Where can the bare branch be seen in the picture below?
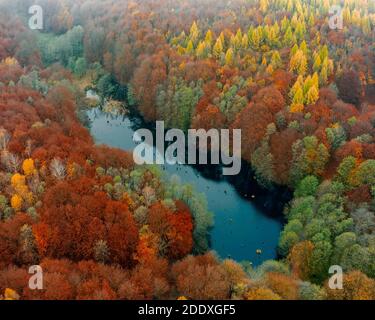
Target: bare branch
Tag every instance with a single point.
(11, 161)
(4, 139)
(57, 168)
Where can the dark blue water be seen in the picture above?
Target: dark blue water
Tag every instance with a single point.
(240, 226)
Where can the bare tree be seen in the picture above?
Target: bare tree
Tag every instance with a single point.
(29, 147)
(101, 252)
(57, 168)
(149, 195)
(4, 139)
(11, 161)
(34, 184)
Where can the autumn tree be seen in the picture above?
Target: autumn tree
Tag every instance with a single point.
(350, 87)
(356, 286)
(201, 277)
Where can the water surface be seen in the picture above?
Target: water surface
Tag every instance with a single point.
(242, 225)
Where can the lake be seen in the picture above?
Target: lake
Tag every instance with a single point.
(246, 216)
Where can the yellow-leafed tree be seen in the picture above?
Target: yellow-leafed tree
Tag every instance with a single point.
(229, 57)
(218, 48)
(17, 180)
(16, 202)
(190, 47)
(10, 294)
(312, 95)
(28, 167)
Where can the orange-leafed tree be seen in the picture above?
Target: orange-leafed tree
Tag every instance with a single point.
(300, 259)
(356, 286)
(201, 277)
(283, 285)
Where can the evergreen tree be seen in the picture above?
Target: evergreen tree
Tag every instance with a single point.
(218, 48)
(229, 57)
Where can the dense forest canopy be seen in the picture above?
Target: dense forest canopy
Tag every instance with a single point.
(302, 93)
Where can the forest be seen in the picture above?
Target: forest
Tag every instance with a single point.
(104, 228)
